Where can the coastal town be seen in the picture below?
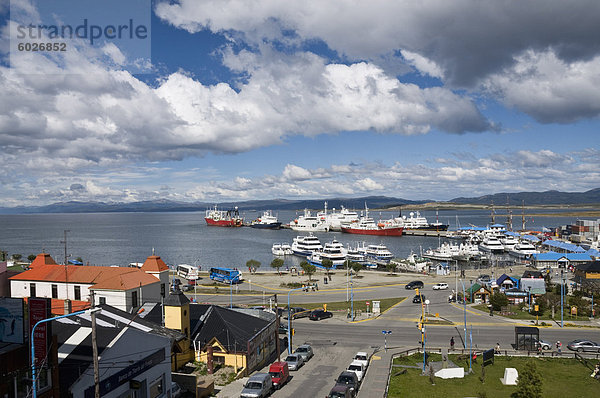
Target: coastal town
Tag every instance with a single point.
(179, 330)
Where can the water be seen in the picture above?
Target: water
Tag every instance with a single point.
(122, 238)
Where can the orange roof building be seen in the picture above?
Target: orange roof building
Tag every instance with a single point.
(121, 287)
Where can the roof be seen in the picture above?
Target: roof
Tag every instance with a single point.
(475, 288)
(531, 238)
(154, 264)
(538, 286)
(504, 277)
(563, 246)
(553, 256)
(109, 278)
(532, 274)
(231, 328)
(592, 266)
(42, 259)
(176, 299)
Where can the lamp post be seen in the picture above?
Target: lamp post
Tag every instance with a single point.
(424, 339)
(465, 311)
(529, 289)
(385, 333)
(290, 320)
(33, 374)
(562, 292)
(352, 297)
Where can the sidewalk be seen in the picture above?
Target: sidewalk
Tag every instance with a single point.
(375, 382)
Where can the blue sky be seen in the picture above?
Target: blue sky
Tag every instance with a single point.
(261, 99)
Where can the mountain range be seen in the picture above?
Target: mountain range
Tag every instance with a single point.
(374, 202)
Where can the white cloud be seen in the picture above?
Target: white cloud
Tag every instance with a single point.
(296, 173)
(422, 64)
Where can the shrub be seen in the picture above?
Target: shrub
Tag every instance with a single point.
(498, 300)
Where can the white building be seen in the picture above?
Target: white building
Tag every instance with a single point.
(121, 287)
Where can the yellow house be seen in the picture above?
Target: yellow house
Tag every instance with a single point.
(233, 338)
(177, 316)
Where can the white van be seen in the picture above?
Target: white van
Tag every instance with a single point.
(258, 386)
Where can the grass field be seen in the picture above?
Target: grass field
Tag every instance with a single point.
(358, 305)
(524, 315)
(561, 378)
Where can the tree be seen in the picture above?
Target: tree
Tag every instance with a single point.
(498, 300)
(356, 267)
(328, 264)
(252, 265)
(308, 268)
(17, 257)
(390, 267)
(529, 382)
(31, 257)
(277, 263)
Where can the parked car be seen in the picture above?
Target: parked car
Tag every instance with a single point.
(414, 285)
(583, 345)
(283, 329)
(349, 379)
(417, 299)
(294, 361)
(305, 351)
(533, 343)
(280, 374)
(317, 315)
(341, 391)
(484, 279)
(358, 368)
(297, 312)
(362, 357)
(187, 288)
(440, 286)
(257, 386)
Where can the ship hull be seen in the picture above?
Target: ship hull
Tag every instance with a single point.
(223, 223)
(276, 225)
(436, 228)
(379, 232)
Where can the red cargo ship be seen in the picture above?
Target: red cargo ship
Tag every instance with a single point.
(367, 226)
(223, 218)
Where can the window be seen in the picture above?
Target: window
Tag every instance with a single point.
(157, 387)
(77, 292)
(54, 291)
(102, 300)
(134, 299)
(32, 290)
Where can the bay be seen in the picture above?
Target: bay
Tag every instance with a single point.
(122, 238)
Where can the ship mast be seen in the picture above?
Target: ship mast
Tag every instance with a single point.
(523, 216)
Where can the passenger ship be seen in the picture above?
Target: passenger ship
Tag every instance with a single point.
(304, 246)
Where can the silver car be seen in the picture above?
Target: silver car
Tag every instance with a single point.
(584, 345)
(294, 361)
(305, 351)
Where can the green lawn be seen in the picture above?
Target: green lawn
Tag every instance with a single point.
(358, 305)
(561, 378)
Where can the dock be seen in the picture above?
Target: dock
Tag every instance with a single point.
(424, 232)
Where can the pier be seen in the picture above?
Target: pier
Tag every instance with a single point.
(424, 232)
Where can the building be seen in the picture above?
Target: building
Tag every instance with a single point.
(122, 287)
(587, 276)
(134, 359)
(477, 293)
(559, 260)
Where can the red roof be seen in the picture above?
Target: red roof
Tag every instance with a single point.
(154, 264)
(111, 278)
(42, 259)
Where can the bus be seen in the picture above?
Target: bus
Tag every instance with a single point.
(188, 272)
(225, 275)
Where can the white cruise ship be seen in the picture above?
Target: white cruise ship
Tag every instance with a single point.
(309, 223)
(335, 219)
(509, 242)
(305, 245)
(491, 244)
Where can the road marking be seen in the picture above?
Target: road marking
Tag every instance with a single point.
(375, 358)
(463, 308)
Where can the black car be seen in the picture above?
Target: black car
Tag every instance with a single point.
(414, 285)
(297, 312)
(417, 299)
(317, 315)
(349, 379)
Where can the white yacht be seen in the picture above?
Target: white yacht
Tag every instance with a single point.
(305, 245)
(444, 252)
(309, 223)
(509, 242)
(491, 244)
(468, 251)
(287, 249)
(281, 249)
(523, 249)
(378, 252)
(335, 219)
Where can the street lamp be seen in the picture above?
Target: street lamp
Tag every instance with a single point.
(33, 375)
(529, 289)
(290, 320)
(562, 292)
(465, 311)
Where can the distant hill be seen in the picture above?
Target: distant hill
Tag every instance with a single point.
(535, 198)
(373, 202)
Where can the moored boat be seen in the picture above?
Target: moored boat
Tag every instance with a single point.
(309, 223)
(223, 218)
(266, 221)
(367, 226)
(304, 246)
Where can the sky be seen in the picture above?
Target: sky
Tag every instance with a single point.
(232, 100)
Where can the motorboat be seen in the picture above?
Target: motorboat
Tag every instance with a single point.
(523, 249)
(413, 263)
(379, 253)
(309, 223)
(277, 250)
(445, 252)
(304, 246)
(266, 221)
(509, 242)
(491, 244)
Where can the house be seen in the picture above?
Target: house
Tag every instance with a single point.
(477, 293)
(559, 260)
(516, 296)
(532, 274)
(122, 287)
(506, 282)
(533, 287)
(587, 275)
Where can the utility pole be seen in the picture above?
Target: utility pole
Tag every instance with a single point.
(95, 354)
(277, 327)
(65, 263)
